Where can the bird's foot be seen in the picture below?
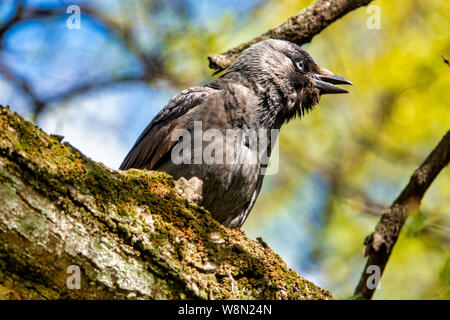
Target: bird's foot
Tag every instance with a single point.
(191, 189)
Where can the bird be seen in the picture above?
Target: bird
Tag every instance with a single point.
(270, 83)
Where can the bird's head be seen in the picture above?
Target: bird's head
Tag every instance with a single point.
(287, 76)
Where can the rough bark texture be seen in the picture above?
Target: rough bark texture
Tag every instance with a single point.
(380, 243)
(129, 232)
(299, 29)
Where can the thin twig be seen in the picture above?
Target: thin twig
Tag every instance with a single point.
(445, 60)
(299, 29)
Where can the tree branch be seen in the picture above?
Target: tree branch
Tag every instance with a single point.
(299, 29)
(130, 233)
(380, 243)
(21, 84)
(25, 13)
(445, 60)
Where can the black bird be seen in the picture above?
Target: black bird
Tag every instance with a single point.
(270, 83)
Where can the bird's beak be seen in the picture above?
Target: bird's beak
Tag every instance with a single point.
(325, 81)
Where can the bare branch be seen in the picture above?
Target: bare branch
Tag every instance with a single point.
(380, 243)
(37, 103)
(25, 13)
(299, 29)
(445, 60)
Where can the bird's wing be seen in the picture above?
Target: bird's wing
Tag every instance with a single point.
(155, 141)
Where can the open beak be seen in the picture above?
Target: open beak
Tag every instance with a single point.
(325, 81)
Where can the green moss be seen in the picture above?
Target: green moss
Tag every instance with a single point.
(172, 235)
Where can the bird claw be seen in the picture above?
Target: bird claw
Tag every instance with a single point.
(191, 189)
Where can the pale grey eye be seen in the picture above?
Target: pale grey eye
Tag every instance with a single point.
(300, 64)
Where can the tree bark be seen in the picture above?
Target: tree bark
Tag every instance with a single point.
(299, 29)
(129, 233)
(379, 244)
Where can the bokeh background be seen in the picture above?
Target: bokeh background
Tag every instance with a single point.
(100, 85)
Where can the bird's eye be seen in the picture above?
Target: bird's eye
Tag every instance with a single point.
(300, 64)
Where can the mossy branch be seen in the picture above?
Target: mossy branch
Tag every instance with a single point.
(130, 233)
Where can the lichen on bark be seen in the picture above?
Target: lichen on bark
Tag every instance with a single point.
(130, 233)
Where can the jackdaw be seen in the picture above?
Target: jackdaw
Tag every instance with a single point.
(213, 132)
